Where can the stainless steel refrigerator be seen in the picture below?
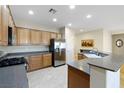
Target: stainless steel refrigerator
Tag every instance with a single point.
(58, 49)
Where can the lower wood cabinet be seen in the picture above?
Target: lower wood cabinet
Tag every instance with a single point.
(47, 60)
(77, 78)
(122, 69)
(35, 62)
(39, 61)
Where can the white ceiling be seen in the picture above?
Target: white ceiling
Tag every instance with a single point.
(108, 17)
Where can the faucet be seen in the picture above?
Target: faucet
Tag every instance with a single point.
(96, 49)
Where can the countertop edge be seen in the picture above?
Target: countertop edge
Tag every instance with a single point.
(103, 67)
(16, 54)
(78, 69)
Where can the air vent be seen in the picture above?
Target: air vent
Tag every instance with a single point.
(52, 11)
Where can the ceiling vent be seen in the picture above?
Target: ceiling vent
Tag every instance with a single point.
(52, 11)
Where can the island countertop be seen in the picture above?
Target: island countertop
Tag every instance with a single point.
(111, 62)
(81, 65)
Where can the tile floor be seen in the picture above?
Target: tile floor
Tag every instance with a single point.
(54, 78)
(48, 78)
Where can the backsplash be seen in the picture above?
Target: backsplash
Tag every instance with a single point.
(10, 49)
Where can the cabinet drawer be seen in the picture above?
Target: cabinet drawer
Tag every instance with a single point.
(37, 57)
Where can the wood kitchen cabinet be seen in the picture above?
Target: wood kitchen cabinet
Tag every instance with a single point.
(35, 62)
(45, 37)
(39, 61)
(77, 78)
(53, 35)
(0, 23)
(23, 36)
(47, 60)
(35, 37)
(4, 24)
(59, 36)
(10, 22)
(5, 21)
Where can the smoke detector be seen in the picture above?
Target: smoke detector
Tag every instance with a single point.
(52, 11)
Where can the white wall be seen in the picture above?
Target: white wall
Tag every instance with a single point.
(117, 31)
(107, 41)
(70, 45)
(102, 40)
(96, 35)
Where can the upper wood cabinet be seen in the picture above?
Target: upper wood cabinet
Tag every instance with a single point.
(11, 22)
(59, 36)
(35, 37)
(0, 23)
(4, 22)
(45, 37)
(53, 35)
(23, 36)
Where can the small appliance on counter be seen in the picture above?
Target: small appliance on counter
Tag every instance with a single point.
(58, 50)
(13, 73)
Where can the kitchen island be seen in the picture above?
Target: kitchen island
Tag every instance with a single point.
(103, 72)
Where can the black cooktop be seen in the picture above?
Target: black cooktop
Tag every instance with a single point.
(12, 61)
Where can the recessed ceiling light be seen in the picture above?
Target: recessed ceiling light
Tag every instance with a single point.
(54, 20)
(72, 7)
(88, 16)
(30, 12)
(69, 24)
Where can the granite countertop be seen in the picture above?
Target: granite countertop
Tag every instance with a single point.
(22, 54)
(82, 66)
(111, 62)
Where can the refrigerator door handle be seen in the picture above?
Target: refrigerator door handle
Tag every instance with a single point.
(60, 52)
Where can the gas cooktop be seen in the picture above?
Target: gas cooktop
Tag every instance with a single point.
(12, 61)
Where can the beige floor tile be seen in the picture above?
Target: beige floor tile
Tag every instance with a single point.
(48, 78)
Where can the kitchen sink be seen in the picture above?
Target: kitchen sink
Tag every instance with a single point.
(95, 55)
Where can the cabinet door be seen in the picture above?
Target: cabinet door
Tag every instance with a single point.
(47, 60)
(59, 36)
(11, 23)
(35, 37)
(35, 62)
(53, 35)
(0, 23)
(23, 36)
(5, 17)
(45, 38)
